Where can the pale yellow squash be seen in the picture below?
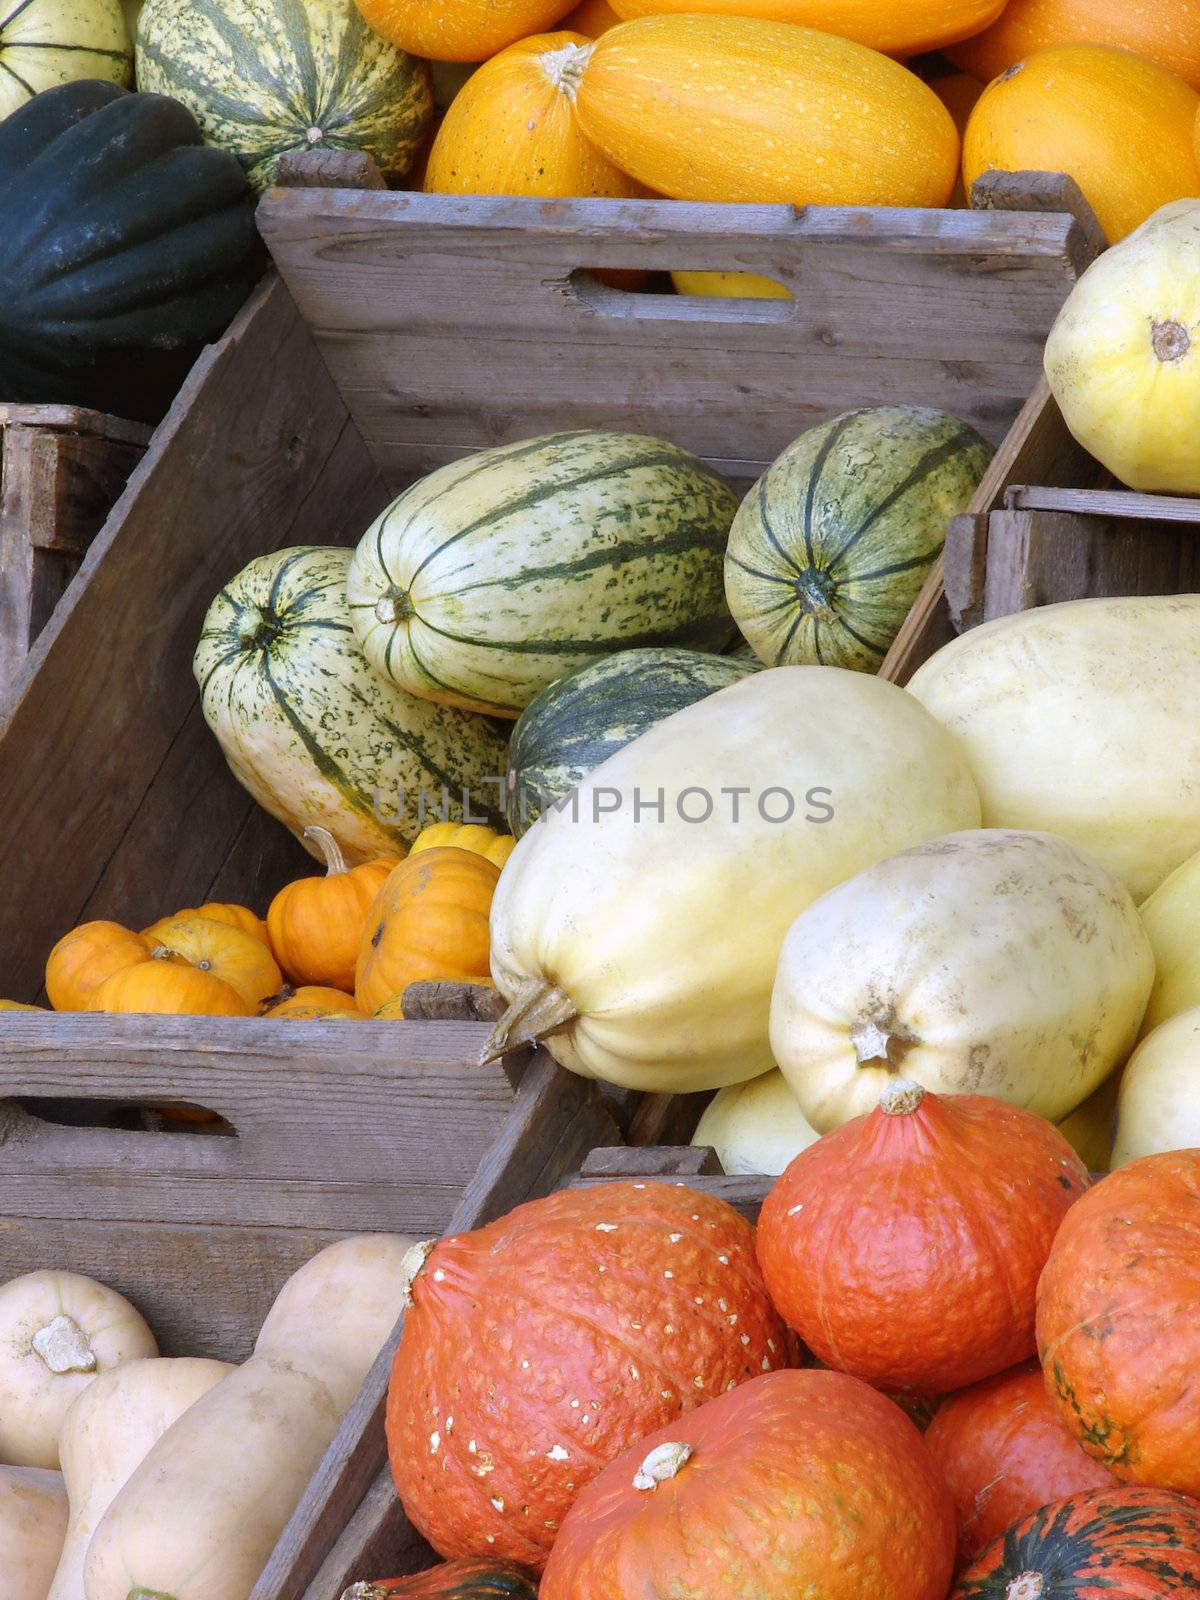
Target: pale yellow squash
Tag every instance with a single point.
(33, 1524)
(199, 1517)
(1080, 719)
(755, 1127)
(1123, 358)
(107, 1433)
(47, 42)
(992, 962)
(1159, 1104)
(1172, 920)
(58, 1330)
(1089, 1128)
(474, 836)
(644, 950)
(730, 285)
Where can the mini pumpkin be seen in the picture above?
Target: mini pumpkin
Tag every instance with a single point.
(235, 916)
(311, 1001)
(236, 957)
(169, 987)
(494, 847)
(430, 920)
(316, 924)
(905, 1247)
(84, 958)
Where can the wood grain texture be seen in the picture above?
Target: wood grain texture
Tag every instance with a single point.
(1111, 504)
(1041, 191)
(76, 419)
(623, 1161)
(327, 169)
(744, 1193)
(446, 999)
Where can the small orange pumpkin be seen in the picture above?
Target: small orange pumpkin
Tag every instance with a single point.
(316, 924)
(169, 987)
(235, 916)
(430, 920)
(84, 958)
(238, 958)
(494, 847)
(18, 1005)
(312, 1001)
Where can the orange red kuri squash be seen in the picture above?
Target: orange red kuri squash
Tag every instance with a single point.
(594, 1317)
(312, 1001)
(732, 108)
(1004, 1451)
(460, 30)
(1166, 31)
(800, 1483)
(1121, 126)
(170, 987)
(895, 27)
(82, 960)
(1117, 1329)
(905, 1246)
(316, 924)
(239, 959)
(429, 920)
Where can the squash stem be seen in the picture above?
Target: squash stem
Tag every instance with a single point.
(335, 861)
(565, 67)
(537, 1009)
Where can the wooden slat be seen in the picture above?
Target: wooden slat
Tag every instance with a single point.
(624, 1161)
(328, 169)
(76, 419)
(1111, 504)
(1041, 191)
(455, 1000)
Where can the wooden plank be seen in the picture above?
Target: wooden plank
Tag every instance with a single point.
(327, 169)
(76, 419)
(664, 1160)
(459, 1000)
(1041, 191)
(666, 1118)
(1111, 504)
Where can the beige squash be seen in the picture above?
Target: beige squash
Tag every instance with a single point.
(1159, 1104)
(644, 950)
(1080, 719)
(1172, 920)
(991, 962)
(33, 1524)
(107, 1433)
(199, 1517)
(58, 1330)
(756, 1126)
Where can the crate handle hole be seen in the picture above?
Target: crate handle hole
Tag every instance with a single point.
(119, 1115)
(615, 292)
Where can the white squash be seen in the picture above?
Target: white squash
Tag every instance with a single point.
(200, 1516)
(1159, 1104)
(47, 42)
(33, 1524)
(755, 1127)
(1123, 358)
(1080, 719)
(992, 962)
(1172, 920)
(58, 1330)
(107, 1433)
(643, 950)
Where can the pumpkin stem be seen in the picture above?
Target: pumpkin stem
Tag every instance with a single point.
(565, 67)
(335, 861)
(1026, 1586)
(411, 1265)
(1171, 341)
(661, 1465)
(537, 1009)
(365, 1591)
(901, 1098)
(63, 1346)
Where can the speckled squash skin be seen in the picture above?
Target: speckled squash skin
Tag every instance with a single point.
(799, 1484)
(1108, 1544)
(1117, 1330)
(591, 1318)
(44, 42)
(895, 27)
(905, 1247)
(1166, 31)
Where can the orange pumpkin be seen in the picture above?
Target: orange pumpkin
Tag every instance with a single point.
(234, 916)
(960, 94)
(595, 1315)
(1117, 1329)
(169, 987)
(591, 18)
(512, 129)
(460, 30)
(238, 958)
(1004, 1451)
(1121, 126)
(18, 1005)
(895, 27)
(800, 1483)
(82, 960)
(311, 1001)
(905, 1246)
(316, 924)
(1165, 31)
(430, 920)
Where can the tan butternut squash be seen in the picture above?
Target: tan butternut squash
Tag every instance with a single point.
(33, 1523)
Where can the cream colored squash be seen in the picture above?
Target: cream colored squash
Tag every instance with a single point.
(33, 1524)
(1159, 1104)
(1080, 719)
(756, 1126)
(107, 1433)
(1123, 358)
(644, 950)
(200, 1516)
(1172, 920)
(991, 962)
(58, 1330)
(1089, 1128)
(47, 42)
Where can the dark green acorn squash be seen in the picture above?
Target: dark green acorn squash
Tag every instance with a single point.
(126, 244)
(454, 1580)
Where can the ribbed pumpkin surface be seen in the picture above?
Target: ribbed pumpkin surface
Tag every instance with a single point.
(1121, 126)
(313, 734)
(582, 719)
(460, 30)
(267, 76)
(828, 552)
(897, 27)
(730, 108)
(44, 42)
(512, 129)
(1166, 31)
(498, 573)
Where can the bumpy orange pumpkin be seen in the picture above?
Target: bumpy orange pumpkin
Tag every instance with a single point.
(429, 920)
(460, 30)
(238, 958)
(312, 1001)
(235, 916)
(82, 960)
(1166, 31)
(316, 924)
(1116, 1322)
(1004, 1451)
(595, 1316)
(801, 1483)
(905, 1246)
(169, 987)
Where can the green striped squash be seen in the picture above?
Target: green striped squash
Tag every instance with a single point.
(497, 574)
(573, 725)
(313, 734)
(830, 548)
(45, 42)
(263, 77)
